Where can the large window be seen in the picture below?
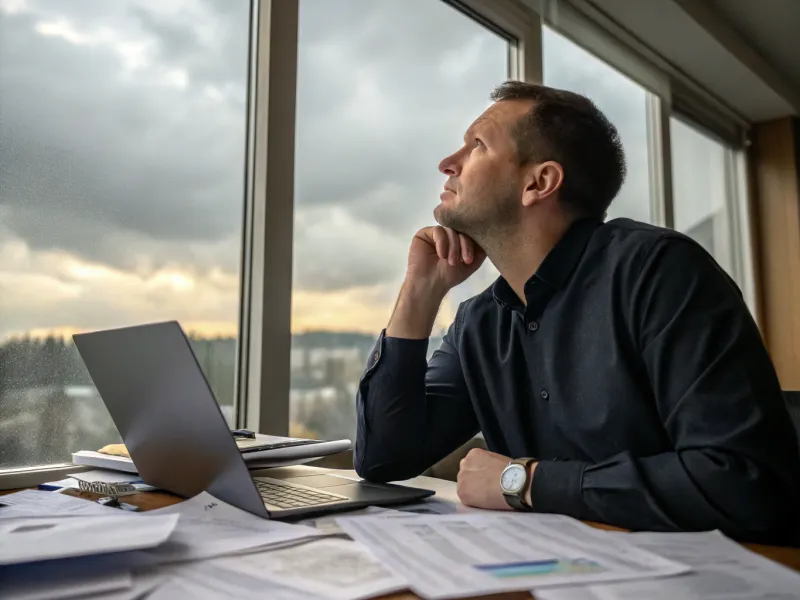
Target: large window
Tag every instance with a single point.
(131, 186)
(703, 208)
(385, 91)
(122, 139)
(568, 66)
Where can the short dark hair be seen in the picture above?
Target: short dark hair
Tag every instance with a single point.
(569, 129)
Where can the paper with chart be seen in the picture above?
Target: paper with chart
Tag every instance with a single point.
(448, 556)
(721, 570)
(328, 568)
(209, 527)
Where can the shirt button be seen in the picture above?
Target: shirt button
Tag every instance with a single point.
(545, 395)
(375, 358)
(533, 326)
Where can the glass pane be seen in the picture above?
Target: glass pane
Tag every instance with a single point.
(570, 67)
(699, 190)
(122, 130)
(385, 91)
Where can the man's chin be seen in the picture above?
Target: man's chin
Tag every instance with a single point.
(444, 216)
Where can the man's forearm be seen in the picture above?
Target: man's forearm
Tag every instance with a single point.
(691, 490)
(416, 309)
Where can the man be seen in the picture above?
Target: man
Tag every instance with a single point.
(617, 358)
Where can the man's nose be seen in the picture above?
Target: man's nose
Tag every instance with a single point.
(450, 166)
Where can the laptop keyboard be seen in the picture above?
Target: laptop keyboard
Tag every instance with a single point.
(284, 495)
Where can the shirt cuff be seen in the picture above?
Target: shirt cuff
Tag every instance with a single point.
(404, 353)
(557, 487)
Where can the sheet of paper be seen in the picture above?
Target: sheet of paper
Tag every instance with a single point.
(329, 568)
(721, 570)
(447, 556)
(67, 482)
(47, 538)
(207, 581)
(62, 579)
(107, 476)
(434, 506)
(142, 583)
(431, 506)
(209, 527)
(34, 503)
(104, 461)
(328, 524)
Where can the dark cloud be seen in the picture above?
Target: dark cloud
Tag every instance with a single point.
(91, 152)
(130, 167)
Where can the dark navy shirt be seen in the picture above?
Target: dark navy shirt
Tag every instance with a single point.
(634, 373)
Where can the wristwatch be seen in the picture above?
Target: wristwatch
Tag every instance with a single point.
(514, 482)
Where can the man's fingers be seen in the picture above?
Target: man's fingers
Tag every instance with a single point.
(453, 250)
(456, 248)
(440, 241)
(467, 248)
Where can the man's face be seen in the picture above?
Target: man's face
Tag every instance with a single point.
(483, 187)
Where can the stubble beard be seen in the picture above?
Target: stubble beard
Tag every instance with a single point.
(486, 221)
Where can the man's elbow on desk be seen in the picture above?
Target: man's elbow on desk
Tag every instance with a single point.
(383, 469)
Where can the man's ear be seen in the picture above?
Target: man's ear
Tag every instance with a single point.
(542, 180)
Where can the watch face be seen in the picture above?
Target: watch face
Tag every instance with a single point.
(513, 479)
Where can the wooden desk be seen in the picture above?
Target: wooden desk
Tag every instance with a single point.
(445, 490)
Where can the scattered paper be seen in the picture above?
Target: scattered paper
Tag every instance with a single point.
(328, 524)
(64, 579)
(448, 556)
(209, 527)
(142, 583)
(208, 581)
(68, 482)
(107, 476)
(330, 568)
(104, 461)
(721, 570)
(34, 503)
(43, 538)
(432, 506)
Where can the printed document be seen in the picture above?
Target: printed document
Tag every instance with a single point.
(207, 581)
(329, 568)
(61, 579)
(42, 538)
(449, 556)
(107, 476)
(209, 527)
(37, 503)
(721, 570)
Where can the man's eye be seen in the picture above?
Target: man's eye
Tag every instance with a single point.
(478, 142)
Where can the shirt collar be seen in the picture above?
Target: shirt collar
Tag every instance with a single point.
(557, 266)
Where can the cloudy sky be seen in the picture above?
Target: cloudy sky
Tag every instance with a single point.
(122, 150)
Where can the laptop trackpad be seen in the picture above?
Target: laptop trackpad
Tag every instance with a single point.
(320, 481)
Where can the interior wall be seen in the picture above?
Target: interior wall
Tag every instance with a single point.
(775, 159)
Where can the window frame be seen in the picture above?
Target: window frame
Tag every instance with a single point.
(265, 369)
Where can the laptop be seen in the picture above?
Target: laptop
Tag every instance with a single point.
(175, 433)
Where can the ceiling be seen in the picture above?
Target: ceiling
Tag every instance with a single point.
(771, 27)
(746, 53)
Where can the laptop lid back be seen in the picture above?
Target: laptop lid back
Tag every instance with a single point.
(162, 405)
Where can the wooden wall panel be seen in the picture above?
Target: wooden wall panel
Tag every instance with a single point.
(775, 160)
